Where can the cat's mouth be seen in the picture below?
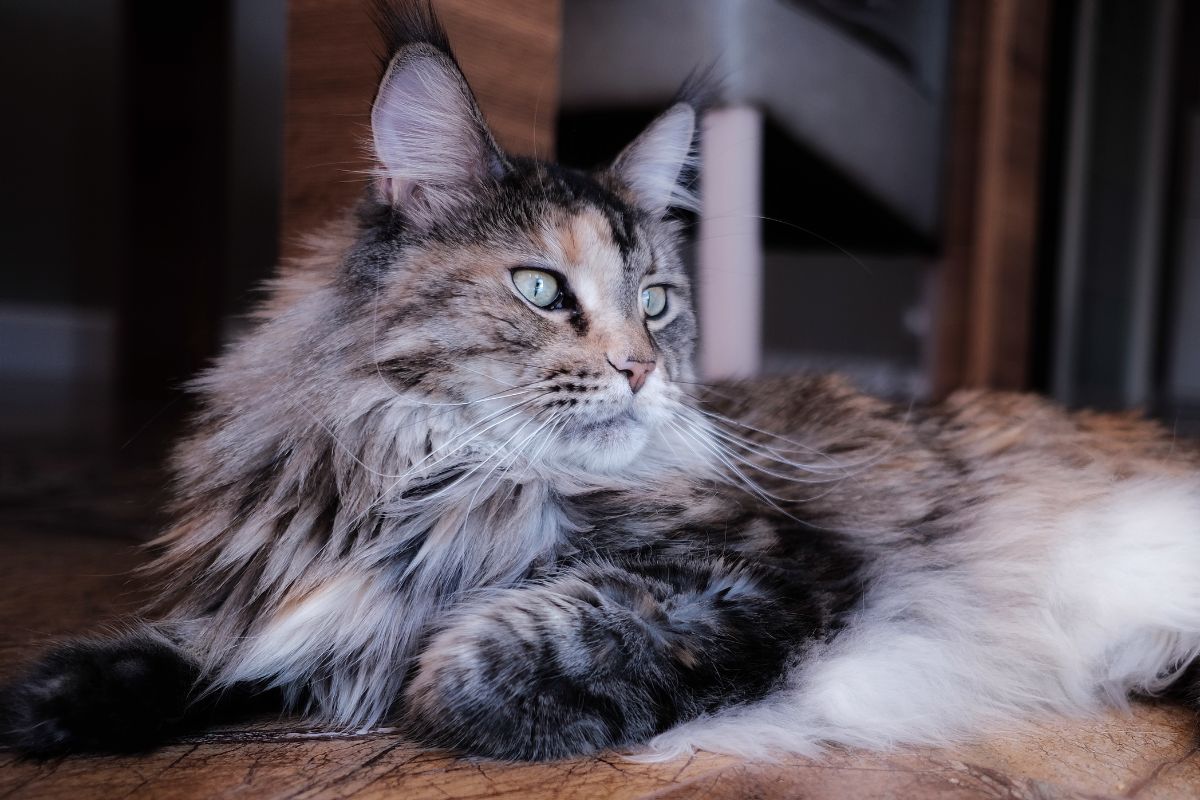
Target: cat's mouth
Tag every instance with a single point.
(594, 427)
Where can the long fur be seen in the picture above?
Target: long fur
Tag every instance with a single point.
(414, 496)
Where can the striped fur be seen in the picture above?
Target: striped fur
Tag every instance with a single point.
(412, 496)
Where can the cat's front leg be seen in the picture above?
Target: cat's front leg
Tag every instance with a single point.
(123, 692)
(604, 656)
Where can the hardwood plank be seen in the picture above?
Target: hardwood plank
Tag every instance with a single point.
(1148, 753)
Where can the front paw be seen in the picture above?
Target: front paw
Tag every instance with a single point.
(115, 696)
(538, 675)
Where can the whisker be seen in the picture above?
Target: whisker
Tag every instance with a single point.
(516, 453)
(379, 369)
(750, 484)
(524, 364)
(512, 411)
(833, 463)
(715, 388)
(501, 458)
(775, 456)
(791, 225)
(848, 468)
(462, 366)
(407, 473)
(533, 457)
(772, 473)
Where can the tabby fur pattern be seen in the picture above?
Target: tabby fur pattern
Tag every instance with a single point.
(415, 497)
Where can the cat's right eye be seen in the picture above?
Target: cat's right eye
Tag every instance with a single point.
(538, 287)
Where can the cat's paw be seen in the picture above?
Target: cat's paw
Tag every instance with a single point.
(95, 696)
(539, 674)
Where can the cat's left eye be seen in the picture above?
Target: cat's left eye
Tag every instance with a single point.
(654, 301)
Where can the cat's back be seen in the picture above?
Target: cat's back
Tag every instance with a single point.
(851, 461)
(828, 413)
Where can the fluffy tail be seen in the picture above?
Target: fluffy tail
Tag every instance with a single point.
(123, 694)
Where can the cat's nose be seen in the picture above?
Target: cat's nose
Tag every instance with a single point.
(635, 371)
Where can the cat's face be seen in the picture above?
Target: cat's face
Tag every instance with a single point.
(553, 302)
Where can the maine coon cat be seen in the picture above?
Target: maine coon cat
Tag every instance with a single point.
(461, 478)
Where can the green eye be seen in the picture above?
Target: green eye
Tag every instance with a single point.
(538, 287)
(654, 301)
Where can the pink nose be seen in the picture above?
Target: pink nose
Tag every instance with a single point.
(635, 371)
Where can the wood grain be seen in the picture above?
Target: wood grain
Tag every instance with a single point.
(984, 286)
(509, 50)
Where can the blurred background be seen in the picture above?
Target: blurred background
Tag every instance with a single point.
(924, 194)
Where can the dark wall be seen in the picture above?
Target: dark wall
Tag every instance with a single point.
(143, 144)
(61, 209)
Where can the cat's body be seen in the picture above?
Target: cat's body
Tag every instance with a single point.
(460, 477)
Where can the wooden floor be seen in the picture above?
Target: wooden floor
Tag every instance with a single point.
(64, 556)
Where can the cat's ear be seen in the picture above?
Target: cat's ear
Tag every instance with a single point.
(658, 167)
(429, 137)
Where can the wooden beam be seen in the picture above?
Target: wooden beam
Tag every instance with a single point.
(985, 284)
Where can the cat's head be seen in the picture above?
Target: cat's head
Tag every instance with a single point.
(557, 292)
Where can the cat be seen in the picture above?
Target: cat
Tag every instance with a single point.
(461, 479)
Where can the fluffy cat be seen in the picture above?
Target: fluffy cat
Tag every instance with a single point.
(460, 478)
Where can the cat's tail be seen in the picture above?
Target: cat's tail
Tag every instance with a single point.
(124, 693)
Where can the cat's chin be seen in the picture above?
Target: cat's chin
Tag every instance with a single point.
(605, 446)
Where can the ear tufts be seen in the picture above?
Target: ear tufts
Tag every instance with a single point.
(430, 139)
(405, 22)
(701, 89)
(659, 166)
